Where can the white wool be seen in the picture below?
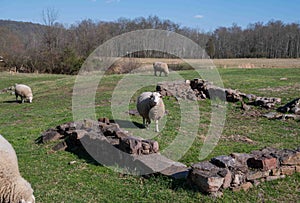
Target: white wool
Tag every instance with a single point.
(24, 92)
(151, 107)
(161, 67)
(13, 188)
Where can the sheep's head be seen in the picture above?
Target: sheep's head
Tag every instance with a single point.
(24, 192)
(154, 98)
(30, 97)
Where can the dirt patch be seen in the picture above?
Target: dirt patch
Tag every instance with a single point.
(239, 138)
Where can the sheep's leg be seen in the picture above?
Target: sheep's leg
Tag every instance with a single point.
(22, 98)
(144, 122)
(155, 73)
(156, 126)
(160, 73)
(16, 97)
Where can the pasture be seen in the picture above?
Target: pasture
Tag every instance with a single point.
(54, 180)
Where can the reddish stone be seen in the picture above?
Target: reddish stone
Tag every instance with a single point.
(207, 182)
(264, 163)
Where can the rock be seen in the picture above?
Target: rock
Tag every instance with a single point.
(60, 146)
(226, 174)
(255, 175)
(245, 107)
(246, 186)
(223, 161)
(275, 172)
(263, 163)
(78, 134)
(50, 135)
(272, 115)
(206, 182)
(291, 107)
(238, 179)
(130, 145)
(205, 166)
(270, 178)
(104, 120)
(287, 157)
(241, 158)
(287, 170)
(72, 162)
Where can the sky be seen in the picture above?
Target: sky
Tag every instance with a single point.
(205, 15)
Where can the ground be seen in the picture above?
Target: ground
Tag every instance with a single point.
(54, 180)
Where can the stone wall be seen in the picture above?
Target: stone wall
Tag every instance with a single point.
(237, 171)
(240, 171)
(198, 89)
(71, 134)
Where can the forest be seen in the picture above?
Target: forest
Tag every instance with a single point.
(52, 47)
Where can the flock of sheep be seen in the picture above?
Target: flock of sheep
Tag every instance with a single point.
(15, 189)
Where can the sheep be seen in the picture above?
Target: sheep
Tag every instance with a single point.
(13, 188)
(151, 107)
(24, 92)
(161, 67)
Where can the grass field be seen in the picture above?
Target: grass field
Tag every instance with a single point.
(54, 180)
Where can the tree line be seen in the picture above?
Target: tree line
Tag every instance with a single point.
(55, 48)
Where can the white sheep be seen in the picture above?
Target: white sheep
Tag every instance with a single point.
(161, 67)
(13, 188)
(24, 92)
(151, 107)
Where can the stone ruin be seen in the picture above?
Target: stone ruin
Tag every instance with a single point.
(237, 171)
(71, 133)
(291, 110)
(198, 89)
(240, 171)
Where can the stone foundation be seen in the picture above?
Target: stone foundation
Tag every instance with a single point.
(240, 171)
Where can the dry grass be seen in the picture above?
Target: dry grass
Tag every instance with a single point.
(233, 63)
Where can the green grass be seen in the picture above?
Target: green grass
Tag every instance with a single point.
(55, 181)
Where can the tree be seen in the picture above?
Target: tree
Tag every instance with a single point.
(210, 48)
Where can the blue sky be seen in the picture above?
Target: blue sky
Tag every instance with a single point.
(204, 15)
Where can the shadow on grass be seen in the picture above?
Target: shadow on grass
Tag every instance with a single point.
(12, 101)
(128, 124)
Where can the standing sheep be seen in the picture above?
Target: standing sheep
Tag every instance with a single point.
(13, 188)
(151, 107)
(24, 92)
(161, 67)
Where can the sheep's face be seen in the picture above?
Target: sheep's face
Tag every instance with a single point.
(154, 98)
(32, 200)
(30, 99)
(25, 191)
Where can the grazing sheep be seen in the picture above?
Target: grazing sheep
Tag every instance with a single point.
(151, 107)
(24, 92)
(13, 188)
(161, 67)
